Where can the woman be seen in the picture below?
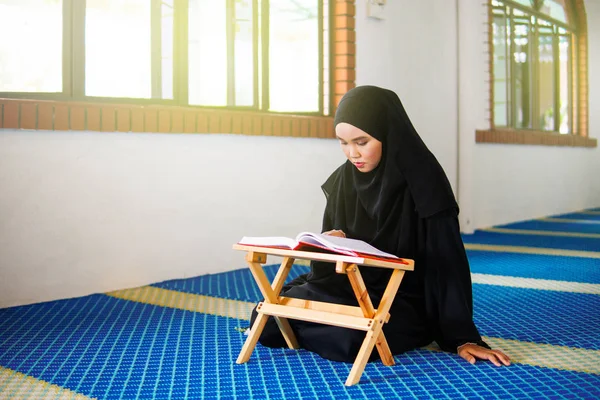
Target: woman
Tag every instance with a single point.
(393, 194)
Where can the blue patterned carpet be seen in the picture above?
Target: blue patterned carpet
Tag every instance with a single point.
(105, 347)
(555, 226)
(113, 349)
(532, 240)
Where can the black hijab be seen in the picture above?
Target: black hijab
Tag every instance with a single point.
(383, 206)
(404, 206)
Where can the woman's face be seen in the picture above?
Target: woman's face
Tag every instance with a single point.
(362, 149)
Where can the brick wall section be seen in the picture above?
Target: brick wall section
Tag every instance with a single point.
(490, 63)
(582, 69)
(529, 137)
(63, 116)
(344, 72)
(75, 116)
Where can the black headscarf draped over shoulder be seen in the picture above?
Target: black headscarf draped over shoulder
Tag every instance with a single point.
(371, 206)
(405, 206)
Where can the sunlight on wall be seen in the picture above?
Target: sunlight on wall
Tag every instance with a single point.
(20, 59)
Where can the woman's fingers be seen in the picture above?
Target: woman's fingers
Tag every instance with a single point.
(466, 354)
(469, 358)
(492, 357)
(472, 352)
(503, 357)
(335, 232)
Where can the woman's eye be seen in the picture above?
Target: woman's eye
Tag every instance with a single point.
(361, 143)
(343, 143)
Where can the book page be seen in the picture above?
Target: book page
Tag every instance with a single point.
(340, 243)
(268, 241)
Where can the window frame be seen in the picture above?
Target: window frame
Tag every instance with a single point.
(578, 137)
(73, 59)
(61, 111)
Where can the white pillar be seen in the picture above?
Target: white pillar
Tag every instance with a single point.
(473, 100)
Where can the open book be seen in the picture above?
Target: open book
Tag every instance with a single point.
(309, 241)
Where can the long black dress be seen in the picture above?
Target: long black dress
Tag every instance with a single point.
(405, 207)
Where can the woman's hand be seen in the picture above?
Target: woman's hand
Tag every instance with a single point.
(471, 352)
(335, 232)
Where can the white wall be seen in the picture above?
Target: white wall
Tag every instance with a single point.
(512, 183)
(413, 51)
(92, 212)
(593, 14)
(433, 53)
(84, 213)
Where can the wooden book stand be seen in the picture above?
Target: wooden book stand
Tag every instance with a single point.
(365, 317)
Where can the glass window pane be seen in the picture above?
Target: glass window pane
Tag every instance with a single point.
(31, 34)
(528, 3)
(118, 48)
(501, 68)
(564, 47)
(244, 55)
(326, 53)
(294, 55)
(573, 81)
(207, 57)
(521, 63)
(167, 48)
(545, 77)
(555, 9)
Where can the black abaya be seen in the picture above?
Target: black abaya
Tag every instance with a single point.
(405, 206)
(432, 304)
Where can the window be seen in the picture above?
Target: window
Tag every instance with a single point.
(293, 35)
(266, 55)
(252, 53)
(535, 63)
(119, 61)
(20, 59)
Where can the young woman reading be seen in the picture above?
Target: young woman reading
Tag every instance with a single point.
(393, 194)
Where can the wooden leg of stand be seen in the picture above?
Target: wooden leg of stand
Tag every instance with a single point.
(283, 323)
(384, 350)
(363, 356)
(360, 291)
(282, 273)
(252, 339)
(287, 332)
(362, 296)
(384, 307)
(271, 294)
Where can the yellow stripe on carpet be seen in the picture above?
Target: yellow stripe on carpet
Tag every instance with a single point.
(532, 250)
(549, 356)
(543, 355)
(531, 283)
(589, 212)
(543, 233)
(186, 301)
(15, 385)
(576, 221)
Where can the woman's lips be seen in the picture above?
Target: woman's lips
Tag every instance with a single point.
(359, 164)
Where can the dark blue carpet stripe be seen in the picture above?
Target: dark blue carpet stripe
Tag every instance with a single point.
(540, 316)
(234, 285)
(239, 284)
(554, 226)
(554, 242)
(109, 348)
(571, 269)
(510, 313)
